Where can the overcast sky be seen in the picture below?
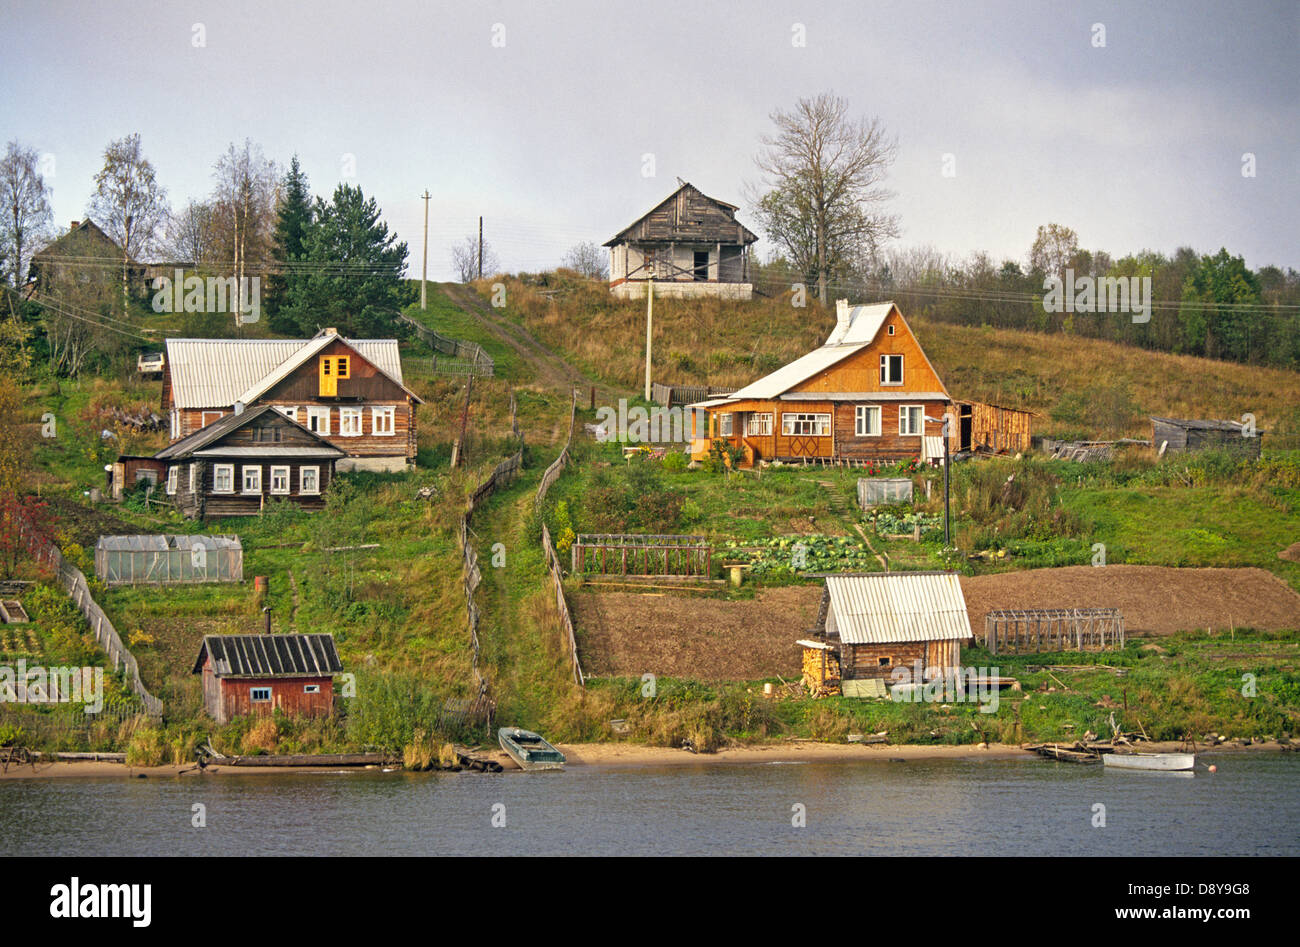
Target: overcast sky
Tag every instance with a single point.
(1135, 145)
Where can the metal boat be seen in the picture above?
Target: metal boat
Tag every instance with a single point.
(530, 750)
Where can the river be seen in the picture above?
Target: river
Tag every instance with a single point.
(938, 807)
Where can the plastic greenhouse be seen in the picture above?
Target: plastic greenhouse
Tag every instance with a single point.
(168, 560)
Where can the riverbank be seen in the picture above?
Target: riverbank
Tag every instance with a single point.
(612, 756)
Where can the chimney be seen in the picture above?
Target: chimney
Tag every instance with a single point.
(266, 610)
(75, 225)
(331, 331)
(843, 316)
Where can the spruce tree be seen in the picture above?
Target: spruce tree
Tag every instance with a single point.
(294, 220)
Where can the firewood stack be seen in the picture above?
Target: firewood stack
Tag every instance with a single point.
(821, 672)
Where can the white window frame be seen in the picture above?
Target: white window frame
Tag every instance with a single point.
(726, 424)
(254, 691)
(862, 426)
(176, 423)
(387, 413)
(302, 481)
(884, 369)
(904, 416)
(203, 417)
(344, 415)
(173, 479)
(311, 688)
(290, 411)
(216, 477)
(758, 424)
(316, 414)
(285, 470)
(820, 422)
(244, 471)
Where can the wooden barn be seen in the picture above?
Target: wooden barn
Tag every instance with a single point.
(238, 462)
(348, 391)
(260, 674)
(869, 393)
(991, 428)
(881, 621)
(1182, 435)
(691, 243)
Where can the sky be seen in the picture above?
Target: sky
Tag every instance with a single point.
(539, 116)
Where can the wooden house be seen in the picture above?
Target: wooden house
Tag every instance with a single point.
(260, 674)
(1180, 435)
(236, 463)
(77, 257)
(878, 622)
(690, 243)
(869, 393)
(348, 391)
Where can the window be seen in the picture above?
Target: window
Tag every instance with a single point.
(252, 479)
(289, 411)
(866, 420)
(343, 363)
(815, 425)
(318, 421)
(884, 662)
(311, 688)
(266, 435)
(176, 423)
(349, 422)
(757, 425)
(192, 468)
(223, 478)
(309, 480)
(173, 475)
(891, 369)
(724, 425)
(910, 420)
(260, 695)
(209, 416)
(381, 420)
(891, 330)
(279, 479)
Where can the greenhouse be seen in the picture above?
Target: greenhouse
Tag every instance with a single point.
(168, 560)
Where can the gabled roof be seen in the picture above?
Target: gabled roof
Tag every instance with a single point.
(216, 373)
(693, 216)
(269, 655)
(886, 607)
(210, 434)
(84, 228)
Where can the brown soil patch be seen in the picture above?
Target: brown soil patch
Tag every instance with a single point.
(630, 634)
(85, 524)
(1291, 553)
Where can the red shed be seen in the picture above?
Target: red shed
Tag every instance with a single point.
(258, 674)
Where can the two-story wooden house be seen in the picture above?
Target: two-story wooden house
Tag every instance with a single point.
(868, 393)
(348, 391)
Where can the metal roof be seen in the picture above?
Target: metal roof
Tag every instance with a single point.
(1202, 425)
(887, 607)
(270, 655)
(858, 324)
(163, 543)
(271, 452)
(215, 373)
(228, 423)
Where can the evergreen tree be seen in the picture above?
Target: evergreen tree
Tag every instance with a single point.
(293, 221)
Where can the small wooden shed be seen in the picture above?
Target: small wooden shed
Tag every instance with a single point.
(260, 674)
(1181, 434)
(990, 427)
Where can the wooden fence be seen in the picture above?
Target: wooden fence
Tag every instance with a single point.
(1053, 629)
(469, 354)
(670, 395)
(72, 580)
(566, 619)
(552, 472)
(642, 554)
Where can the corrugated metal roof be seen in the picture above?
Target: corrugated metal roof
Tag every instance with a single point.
(270, 655)
(215, 373)
(226, 424)
(890, 607)
(161, 543)
(858, 324)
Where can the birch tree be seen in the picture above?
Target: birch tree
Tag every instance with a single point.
(128, 204)
(245, 199)
(25, 203)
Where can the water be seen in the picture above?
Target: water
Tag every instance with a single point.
(941, 807)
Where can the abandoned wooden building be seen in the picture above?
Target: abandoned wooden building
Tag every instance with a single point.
(75, 260)
(882, 621)
(261, 674)
(240, 461)
(990, 428)
(348, 391)
(690, 244)
(1180, 434)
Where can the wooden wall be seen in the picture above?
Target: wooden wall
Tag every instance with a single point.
(993, 427)
(206, 502)
(862, 661)
(287, 696)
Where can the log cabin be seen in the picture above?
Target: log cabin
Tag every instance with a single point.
(1180, 435)
(349, 391)
(869, 393)
(262, 674)
(238, 462)
(881, 621)
(690, 243)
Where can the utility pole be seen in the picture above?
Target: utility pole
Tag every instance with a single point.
(649, 324)
(947, 475)
(424, 273)
(480, 248)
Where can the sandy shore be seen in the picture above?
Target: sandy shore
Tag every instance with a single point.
(608, 755)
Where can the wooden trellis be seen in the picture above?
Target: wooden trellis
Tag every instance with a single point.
(1053, 629)
(642, 554)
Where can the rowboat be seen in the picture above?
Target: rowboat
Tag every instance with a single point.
(1161, 762)
(530, 750)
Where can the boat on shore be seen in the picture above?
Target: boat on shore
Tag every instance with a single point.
(1157, 762)
(530, 750)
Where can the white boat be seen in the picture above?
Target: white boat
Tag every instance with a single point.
(1161, 762)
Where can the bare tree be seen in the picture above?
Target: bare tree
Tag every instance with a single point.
(589, 260)
(128, 203)
(823, 173)
(191, 234)
(245, 201)
(1054, 248)
(25, 204)
(465, 259)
